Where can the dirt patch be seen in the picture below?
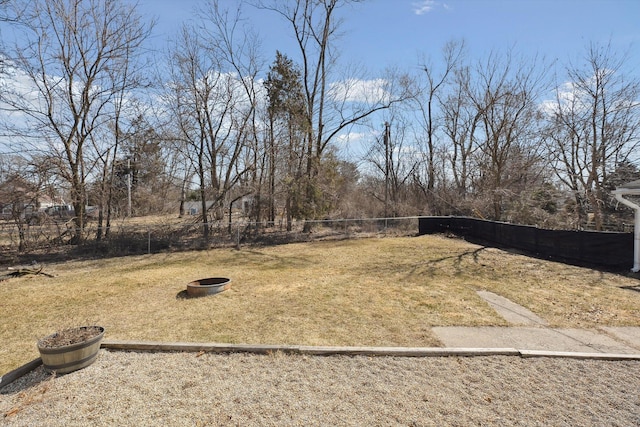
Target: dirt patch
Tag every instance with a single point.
(70, 336)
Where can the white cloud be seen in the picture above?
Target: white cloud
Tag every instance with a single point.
(566, 94)
(355, 137)
(571, 96)
(356, 90)
(424, 6)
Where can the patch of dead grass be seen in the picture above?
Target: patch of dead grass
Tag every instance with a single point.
(31, 396)
(379, 292)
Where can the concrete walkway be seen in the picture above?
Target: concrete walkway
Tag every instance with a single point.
(530, 332)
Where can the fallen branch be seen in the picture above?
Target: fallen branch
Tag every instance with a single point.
(24, 271)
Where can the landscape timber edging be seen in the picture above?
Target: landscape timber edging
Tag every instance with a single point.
(11, 376)
(357, 351)
(308, 350)
(152, 346)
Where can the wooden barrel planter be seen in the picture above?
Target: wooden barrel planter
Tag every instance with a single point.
(71, 349)
(209, 286)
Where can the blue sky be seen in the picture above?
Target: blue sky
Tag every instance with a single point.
(381, 33)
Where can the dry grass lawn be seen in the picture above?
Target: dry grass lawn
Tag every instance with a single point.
(377, 292)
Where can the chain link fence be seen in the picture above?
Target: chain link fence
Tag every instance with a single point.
(135, 236)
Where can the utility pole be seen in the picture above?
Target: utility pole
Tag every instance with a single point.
(128, 187)
(387, 135)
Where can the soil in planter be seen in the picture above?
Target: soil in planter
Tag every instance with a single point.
(70, 336)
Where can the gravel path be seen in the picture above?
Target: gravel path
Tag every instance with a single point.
(189, 389)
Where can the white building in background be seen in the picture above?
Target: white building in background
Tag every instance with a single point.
(195, 207)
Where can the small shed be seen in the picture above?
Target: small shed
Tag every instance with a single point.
(195, 207)
(632, 189)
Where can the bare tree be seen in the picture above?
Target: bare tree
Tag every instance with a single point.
(19, 194)
(594, 126)
(11, 11)
(213, 100)
(201, 103)
(506, 96)
(460, 121)
(71, 56)
(237, 46)
(395, 160)
(426, 99)
(331, 104)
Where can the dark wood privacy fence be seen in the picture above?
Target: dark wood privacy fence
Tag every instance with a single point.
(590, 248)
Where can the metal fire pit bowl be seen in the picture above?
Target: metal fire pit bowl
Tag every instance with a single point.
(209, 286)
